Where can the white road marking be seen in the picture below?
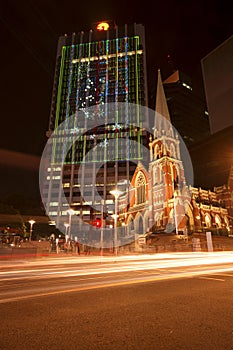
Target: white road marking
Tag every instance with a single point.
(212, 278)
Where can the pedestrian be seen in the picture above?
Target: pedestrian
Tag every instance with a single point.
(87, 250)
(77, 247)
(66, 247)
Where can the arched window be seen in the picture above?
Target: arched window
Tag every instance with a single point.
(226, 221)
(161, 175)
(157, 220)
(130, 225)
(140, 188)
(156, 152)
(217, 221)
(207, 220)
(155, 177)
(175, 173)
(173, 152)
(146, 221)
(140, 226)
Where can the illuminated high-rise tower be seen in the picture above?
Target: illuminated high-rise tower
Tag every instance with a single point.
(105, 65)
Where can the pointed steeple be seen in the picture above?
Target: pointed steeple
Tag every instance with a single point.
(162, 122)
(161, 103)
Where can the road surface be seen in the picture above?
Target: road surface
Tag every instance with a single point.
(169, 301)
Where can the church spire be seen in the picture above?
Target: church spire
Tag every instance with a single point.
(161, 103)
(162, 122)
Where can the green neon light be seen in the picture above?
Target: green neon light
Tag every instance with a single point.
(94, 44)
(58, 104)
(107, 68)
(116, 75)
(87, 49)
(60, 86)
(136, 69)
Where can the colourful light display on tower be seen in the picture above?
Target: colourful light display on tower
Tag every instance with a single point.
(106, 65)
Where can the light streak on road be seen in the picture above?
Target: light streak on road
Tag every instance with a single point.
(54, 276)
(112, 265)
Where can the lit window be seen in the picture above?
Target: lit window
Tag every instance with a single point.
(109, 201)
(86, 212)
(52, 213)
(187, 86)
(57, 169)
(140, 188)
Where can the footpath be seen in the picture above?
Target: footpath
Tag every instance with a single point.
(159, 244)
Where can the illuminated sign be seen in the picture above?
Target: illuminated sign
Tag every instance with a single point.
(102, 26)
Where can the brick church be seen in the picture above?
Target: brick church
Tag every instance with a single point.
(160, 198)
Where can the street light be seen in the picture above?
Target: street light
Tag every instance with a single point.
(70, 212)
(116, 193)
(31, 222)
(175, 212)
(66, 226)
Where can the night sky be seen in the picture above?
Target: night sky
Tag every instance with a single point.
(29, 32)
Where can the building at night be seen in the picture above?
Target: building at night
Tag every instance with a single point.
(187, 108)
(101, 148)
(102, 66)
(217, 70)
(162, 201)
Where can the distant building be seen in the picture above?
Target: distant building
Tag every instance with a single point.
(217, 69)
(187, 109)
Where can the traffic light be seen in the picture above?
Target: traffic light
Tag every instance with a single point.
(97, 223)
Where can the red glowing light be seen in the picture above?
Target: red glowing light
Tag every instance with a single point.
(98, 223)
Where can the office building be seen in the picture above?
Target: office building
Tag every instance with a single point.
(217, 70)
(187, 108)
(106, 65)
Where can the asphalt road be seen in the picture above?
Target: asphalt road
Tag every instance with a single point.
(173, 302)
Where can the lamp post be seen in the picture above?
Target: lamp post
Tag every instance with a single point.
(31, 222)
(102, 228)
(66, 226)
(70, 212)
(175, 212)
(116, 193)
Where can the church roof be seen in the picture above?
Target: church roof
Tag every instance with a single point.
(161, 106)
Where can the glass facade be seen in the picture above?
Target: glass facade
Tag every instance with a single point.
(91, 71)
